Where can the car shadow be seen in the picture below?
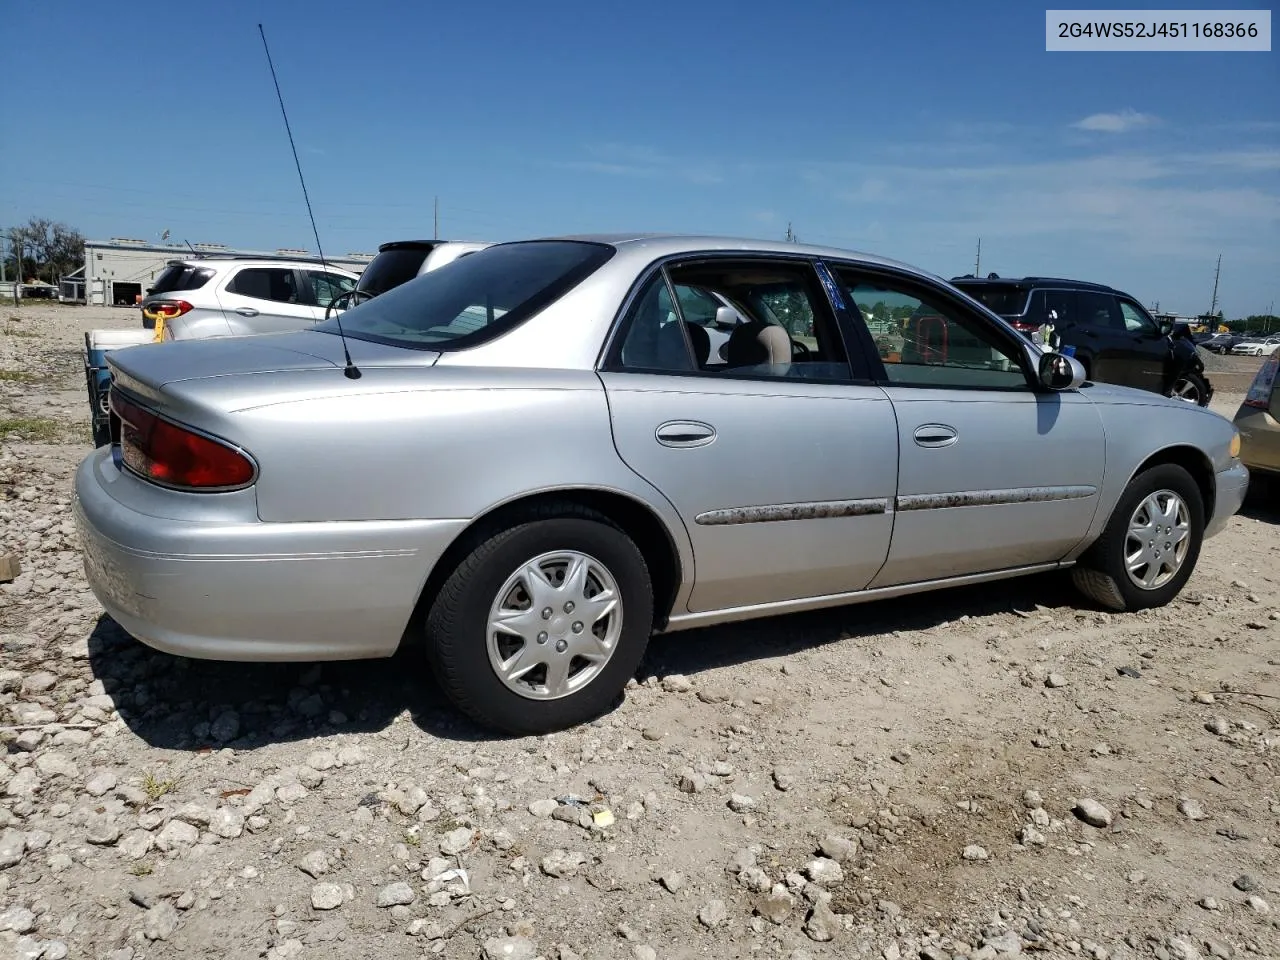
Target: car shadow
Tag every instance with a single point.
(176, 703)
(1263, 500)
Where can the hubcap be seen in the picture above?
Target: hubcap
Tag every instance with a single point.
(1158, 540)
(1186, 390)
(554, 625)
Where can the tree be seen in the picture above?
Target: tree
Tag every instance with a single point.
(49, 249)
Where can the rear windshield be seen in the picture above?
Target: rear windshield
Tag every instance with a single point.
(479, 297)
(1007, 300)
(391, 268)
(181, 276)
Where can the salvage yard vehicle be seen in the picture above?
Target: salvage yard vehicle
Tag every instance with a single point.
(97, 376)
(1256, 348)
(399, 262)
(528, 463)
(224, 295)
(1258, 420)
(1109, 332)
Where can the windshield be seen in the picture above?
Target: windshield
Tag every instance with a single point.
(1008, 300)
(479, 297)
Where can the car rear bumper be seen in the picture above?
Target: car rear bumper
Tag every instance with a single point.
(252, 591)
(1230, 486)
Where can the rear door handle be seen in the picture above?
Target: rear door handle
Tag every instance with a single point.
(936, 435)
(685, 433)
(246, 311)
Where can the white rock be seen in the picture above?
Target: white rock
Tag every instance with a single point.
(455, 841)
(543, 808)
(327, 896)
(740, 803)
(56, 765)
(713, 914)
(975, 852)
(676, 683)
(395, 894)
(227, 823)
(160, 921)
(510, 948)
(1093, 813)
(136, 844)
(18, 919)
(176, 835)
(101, 783)
(13, 846)
(314, 864)
(824, 871)
(322, 760)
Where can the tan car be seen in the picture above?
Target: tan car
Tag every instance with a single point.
(1258, 420)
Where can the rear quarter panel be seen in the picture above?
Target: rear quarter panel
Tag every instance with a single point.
(422, 443)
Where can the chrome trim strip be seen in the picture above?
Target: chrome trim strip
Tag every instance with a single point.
(987, 498)
(688, 621)
(773, 513)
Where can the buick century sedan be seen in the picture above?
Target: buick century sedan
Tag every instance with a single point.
(533, 460)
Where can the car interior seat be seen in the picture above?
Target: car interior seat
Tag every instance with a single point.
(756, 343)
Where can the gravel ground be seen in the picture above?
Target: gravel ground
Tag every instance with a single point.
(980, 773)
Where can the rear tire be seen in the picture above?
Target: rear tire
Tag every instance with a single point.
(466, 651)
(1158, 504)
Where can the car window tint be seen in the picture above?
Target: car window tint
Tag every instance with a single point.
(1135, 321)
(265, 283)
(181, 276)
(929, 342)
(696, 305)
(327, 287)
(654, 339)
(1098, 311)
(1058, 307)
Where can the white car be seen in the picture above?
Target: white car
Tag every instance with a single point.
(226, 296)
(1257, 348)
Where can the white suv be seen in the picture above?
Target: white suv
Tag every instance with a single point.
(233, 296)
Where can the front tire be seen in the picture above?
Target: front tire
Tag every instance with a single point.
(1150, 545)
(1191, 387)
(541, 626)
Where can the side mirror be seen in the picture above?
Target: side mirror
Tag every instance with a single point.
(1058, 372)
(727, 317)
(1166, 327)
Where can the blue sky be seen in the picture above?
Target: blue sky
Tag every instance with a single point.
(906, 129)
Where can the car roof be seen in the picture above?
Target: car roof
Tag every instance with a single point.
(236, 261)
(1035, 282)
(653, 246)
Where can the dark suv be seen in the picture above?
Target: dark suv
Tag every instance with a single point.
(1107, 330)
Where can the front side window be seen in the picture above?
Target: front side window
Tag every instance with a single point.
(1135, 319)
(265, 283)
(327, 287)
(477, 298)
(770, 319)
(931, 341)
(1098, 311)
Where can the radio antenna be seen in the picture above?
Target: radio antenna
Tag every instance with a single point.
(351, 371)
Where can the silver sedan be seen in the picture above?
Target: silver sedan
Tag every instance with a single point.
(533, 459)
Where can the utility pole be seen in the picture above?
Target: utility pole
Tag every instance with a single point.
(977, 263)
(435, 220)
(17, 280)
(1213, 305)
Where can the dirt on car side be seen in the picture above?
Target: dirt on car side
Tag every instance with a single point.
(976, 773)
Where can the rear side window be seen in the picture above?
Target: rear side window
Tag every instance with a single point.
(266, 283)
(477, 298)
(1007, 300)
(181, 276)
(391, 268)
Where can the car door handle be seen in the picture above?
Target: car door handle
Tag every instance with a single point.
(936, 435)
(246, 311)
(685, 433)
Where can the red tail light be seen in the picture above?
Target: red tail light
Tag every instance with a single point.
(168, 309)
(174, 456)
(1264, 382)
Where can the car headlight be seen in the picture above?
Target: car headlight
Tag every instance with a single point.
(1234, 450)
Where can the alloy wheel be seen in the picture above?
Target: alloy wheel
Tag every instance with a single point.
(1186, 389)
